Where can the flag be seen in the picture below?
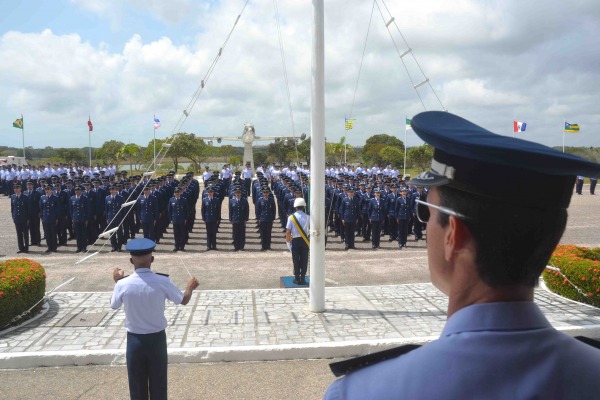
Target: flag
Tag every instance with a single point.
(519, 126)
(408, 124)
(18, 123)
(569, 128)
(349, 123)
(90, 124)
(156, 123)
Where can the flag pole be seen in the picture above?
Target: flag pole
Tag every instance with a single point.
(23, 132)
(154, 142)
(345, 130)
(90, 140)
(405, 130)
(564, 122)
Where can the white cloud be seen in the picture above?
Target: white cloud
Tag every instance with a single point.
(489, 61)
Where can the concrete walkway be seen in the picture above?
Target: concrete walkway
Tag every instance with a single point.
(79, 328)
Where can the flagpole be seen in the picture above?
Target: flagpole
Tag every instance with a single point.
(405, 132)
(23, 132)
(564, 135)
(154, 142)
(90, 140)
(345, 130)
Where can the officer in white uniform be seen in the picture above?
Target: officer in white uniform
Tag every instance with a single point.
(487, 249)
(299, 246)
(143, 295)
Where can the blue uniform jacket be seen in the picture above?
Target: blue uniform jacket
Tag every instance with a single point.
(210, 209)
(239, 210)
(265, 209)
(178, 210)
(19, 208)
(376, 209)
(50, 208)
(148, 209)
(112, 205)
(79, 209)
(403, 210)
(349, 209)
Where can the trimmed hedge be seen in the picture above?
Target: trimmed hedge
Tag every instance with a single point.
(582, 266)
(22, 284)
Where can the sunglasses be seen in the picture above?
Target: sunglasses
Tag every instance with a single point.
(423, 211)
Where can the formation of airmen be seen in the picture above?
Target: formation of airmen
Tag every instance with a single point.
(79, 203)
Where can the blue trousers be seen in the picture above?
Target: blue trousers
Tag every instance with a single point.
(300, 252)
(147, 365)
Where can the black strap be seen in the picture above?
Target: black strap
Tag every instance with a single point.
(341, 368)
(589, 341)
(158, 273)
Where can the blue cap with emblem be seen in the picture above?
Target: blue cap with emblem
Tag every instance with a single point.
(140, 246)
(472, 159)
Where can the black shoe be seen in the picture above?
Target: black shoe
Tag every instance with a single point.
(175, 249)
(78, 251)
(346, 248)
(48, 251)
(113, 250)
(20, 251)
(365, 240)
(208, 249)
(297, 281)
(303, 282)
(390, 239)
(182, 249)
(374, 246)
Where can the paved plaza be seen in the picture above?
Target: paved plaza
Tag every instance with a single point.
(374, 299)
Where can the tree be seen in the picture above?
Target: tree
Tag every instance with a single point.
(391, 155)
(375, 144)
(236, 160)
(420, 156)
(148, 155)
(334, 152)
(304, 150)
(227, 151)
(278, 151)
(187, 145)
(132, 153)
(108, 151)
(70, 155)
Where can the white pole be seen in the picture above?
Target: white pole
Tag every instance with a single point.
(317, 168)
(154, 142)
(23, 132)
(564, 135)
(90, 143)
(405, 130)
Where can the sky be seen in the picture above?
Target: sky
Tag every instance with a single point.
(122, 62)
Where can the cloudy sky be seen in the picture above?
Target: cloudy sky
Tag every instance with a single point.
(123, 61)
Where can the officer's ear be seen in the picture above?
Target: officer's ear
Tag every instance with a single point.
(131, 260)
(152, 259)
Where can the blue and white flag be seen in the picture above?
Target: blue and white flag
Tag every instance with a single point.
(156, 123)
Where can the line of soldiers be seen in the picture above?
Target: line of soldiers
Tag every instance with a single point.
(83, 207)
(377, 207)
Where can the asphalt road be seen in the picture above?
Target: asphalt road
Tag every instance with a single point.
(227, 381)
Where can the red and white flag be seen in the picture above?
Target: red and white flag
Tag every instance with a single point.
(90, 124)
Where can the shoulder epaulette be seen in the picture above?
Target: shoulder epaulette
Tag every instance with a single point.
(158, 273)
(341, 368)
(123, 277)
(589, 341)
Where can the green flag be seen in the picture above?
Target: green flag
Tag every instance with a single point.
(407, 123)
(18, 123)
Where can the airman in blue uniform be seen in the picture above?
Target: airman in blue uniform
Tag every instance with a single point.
(239, 213)
(33, 197)
(20, 214)
(114, 216)
(266, 215)
(210, 211)
(349, 211)
(50, 211)
(403, 213)
(148, 212)
(79, 210)
(178, 213)
(376, 214)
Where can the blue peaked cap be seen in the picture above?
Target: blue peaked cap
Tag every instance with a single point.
(472, 159)
(140, 246)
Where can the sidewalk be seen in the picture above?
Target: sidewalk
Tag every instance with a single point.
(80, 328)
